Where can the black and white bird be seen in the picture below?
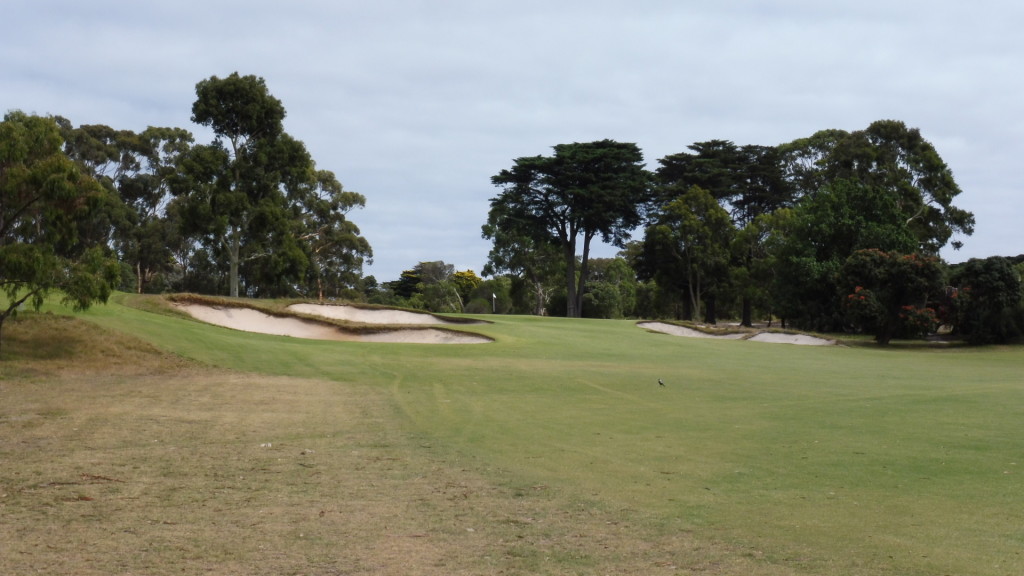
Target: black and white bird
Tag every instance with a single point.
(661, 382)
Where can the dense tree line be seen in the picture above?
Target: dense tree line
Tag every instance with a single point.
(249, 213)
(438, 287)
(88, 209)
(839, 231)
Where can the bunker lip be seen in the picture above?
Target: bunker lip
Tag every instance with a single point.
(369, 315)
(252, 320)
(771, 337)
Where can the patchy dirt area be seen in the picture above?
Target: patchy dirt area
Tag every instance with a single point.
(771, 337)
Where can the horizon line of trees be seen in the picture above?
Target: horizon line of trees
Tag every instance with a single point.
(839, 231)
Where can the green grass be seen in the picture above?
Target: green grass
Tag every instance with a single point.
(772, 459)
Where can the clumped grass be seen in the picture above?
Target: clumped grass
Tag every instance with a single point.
(551, 451)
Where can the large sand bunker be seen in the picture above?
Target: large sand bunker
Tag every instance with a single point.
(773, 337)
(366, 315)
(250, 320)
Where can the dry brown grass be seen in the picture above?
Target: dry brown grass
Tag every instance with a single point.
(118, 459)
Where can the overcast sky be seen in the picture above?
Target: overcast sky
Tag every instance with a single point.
(416, 104)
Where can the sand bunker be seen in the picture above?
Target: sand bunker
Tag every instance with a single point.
(773, 337)
(366, 315)
(250, 320)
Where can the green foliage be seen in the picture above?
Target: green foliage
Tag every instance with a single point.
(889, 294)
(815, 238)
(612, 290)
(987, 301)
(139, 169)
(590, 190)
(535, 265)
(433, 286)
(465, 282)
(46, 207)
(747, 179)
(890, 160)
(254, 198)
(336, 249)
(687, 248)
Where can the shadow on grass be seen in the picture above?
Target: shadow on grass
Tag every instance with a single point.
(43, 336)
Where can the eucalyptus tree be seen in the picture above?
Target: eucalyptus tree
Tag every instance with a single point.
(247, 195)
(139, 169)
(45, 200)
(582, 192)
(234, 188)
(336, 249)
(687, 249)
(535, 265)
(884, 187)
(890, 157)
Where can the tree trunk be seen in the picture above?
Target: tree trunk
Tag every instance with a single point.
(693, 285)
(748, 313)
(538, 295)
(569, 254)
(233, 249)
(584, 271)
(709, 311)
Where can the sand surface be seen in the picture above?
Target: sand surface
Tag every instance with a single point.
(772, 337)
(249, 320)
(365, 315)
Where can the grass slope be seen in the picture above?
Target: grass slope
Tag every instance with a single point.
(555, 446)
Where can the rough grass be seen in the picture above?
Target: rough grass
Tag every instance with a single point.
(121, 459)
(553, 451)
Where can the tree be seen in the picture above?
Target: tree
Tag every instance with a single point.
(438, 287)
(892, 158)
(589, 190)
(611, 292)
(536, 264)
(139, 169)
(888, 294)
(687, 248)
(715, 166)
(239, 187)
(465, 282)
(754, 273)
(433, 286)
(748, 181)
(815, 238)
(337, 251)
(988, 300)
(44, 201)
